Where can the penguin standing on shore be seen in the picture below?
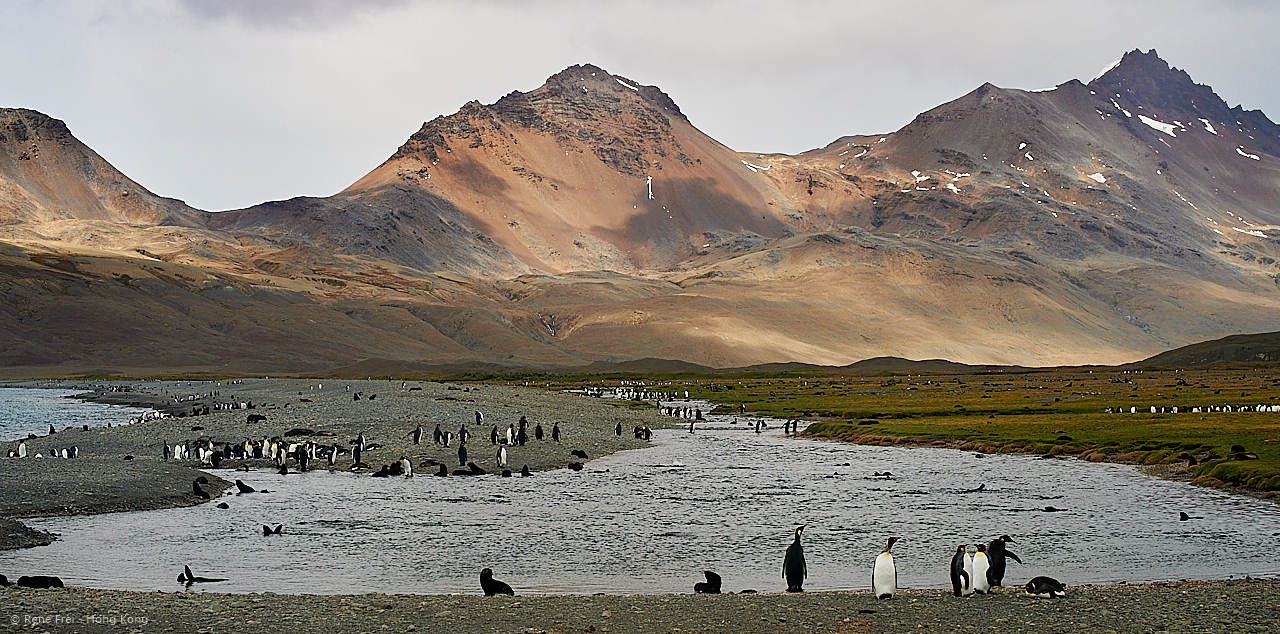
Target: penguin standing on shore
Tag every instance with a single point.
(793, 568)
(417, 435)
(961, 582)
(462, 454)
(997, 553)
(555, 431)
(884, 575)
(979, 576)
(502, 457)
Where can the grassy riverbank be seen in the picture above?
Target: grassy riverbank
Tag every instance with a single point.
(1046, 412)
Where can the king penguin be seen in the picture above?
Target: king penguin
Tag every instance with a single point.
(961, 583)
(981, 565)
(884, 575)
(997, 553)
(1046, 588)
(793, 568)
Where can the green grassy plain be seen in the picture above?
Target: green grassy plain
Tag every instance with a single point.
(1045, 412)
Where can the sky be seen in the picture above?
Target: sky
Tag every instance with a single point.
(227, 104)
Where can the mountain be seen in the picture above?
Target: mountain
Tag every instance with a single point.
(588, 172)
(589, 223)
(49, 175)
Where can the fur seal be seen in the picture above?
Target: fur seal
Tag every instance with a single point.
(244, 488)
(186, 577)
(712, 585)
(43, 582)
(492, 586)
(195, 488)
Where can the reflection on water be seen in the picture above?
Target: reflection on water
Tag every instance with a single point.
(651, 520)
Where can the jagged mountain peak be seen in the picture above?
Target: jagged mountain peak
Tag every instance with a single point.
(582, 103)
(1149, 81)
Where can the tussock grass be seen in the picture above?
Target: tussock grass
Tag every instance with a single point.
(1051, 412)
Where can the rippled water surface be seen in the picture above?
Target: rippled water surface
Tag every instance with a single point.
(649, 521)
(30, 411)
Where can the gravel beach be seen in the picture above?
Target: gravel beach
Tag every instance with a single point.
(122, 468)
(1240, 606)
(102, 480)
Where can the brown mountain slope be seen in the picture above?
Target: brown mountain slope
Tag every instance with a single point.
(589, 171)
(46, 174)
(1068, 226)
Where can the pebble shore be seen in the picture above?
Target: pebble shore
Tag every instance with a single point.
(122, 468)
(1238, 606)
(102, 480)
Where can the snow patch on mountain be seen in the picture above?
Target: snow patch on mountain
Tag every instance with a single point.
(1166, 128)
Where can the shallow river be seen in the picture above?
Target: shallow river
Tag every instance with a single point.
(649, 521)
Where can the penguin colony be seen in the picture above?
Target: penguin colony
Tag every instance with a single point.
(978, 573)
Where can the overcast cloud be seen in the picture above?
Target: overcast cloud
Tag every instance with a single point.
(227, 104)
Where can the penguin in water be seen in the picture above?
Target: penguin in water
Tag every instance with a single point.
(492, 586)
(997, 553)
(267, 531)
(981, 567)
(712, 585)
(884, 575)
(793, 568)
(961, 583)
(1046, 588)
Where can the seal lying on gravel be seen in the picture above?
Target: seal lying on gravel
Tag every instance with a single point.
(39, 581)
(492, 586)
